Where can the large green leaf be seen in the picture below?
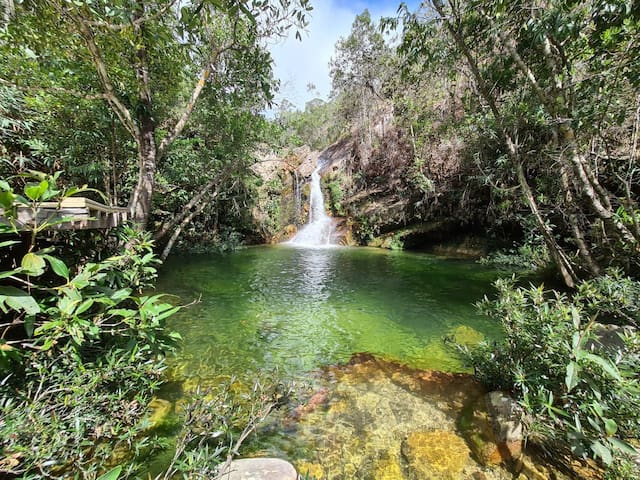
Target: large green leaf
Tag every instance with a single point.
(17, 300)
(572, 377)
(58, 266)
(36, 191)
(112, 474)
(605, 364)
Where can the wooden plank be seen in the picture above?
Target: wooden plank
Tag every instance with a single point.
(83, 213)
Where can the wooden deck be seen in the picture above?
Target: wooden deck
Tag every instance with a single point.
(81, 212)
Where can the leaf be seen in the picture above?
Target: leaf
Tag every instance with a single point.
(58, 266)
(112, 474)
(36, 191)
(610, 427)
(623, 446)
(601, 451)
(8, 273)
(606, 365)
(7, 199)
(18, 300)
(8, 243)
(572, 377)
(33, 264)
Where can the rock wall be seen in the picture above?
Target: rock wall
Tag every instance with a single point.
(385, 191)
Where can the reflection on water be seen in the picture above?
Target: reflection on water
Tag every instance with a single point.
(297, 309)
(317, 270)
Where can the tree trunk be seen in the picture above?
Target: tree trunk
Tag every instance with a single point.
(185, 221)
(557, 254)
(195, 200)
(141, 198)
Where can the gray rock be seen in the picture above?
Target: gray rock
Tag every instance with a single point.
(259, 469)
(506, 415)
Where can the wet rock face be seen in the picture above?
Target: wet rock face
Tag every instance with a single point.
(494, 429)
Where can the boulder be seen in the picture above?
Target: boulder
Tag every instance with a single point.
(259, 469)
(493, 428)
(159, 411)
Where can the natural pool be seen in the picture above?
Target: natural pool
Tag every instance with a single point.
(300, 309)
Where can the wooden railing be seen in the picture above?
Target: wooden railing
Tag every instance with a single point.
(81, 213)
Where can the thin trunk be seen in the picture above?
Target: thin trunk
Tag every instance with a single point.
(572, 216)
(557, 254)
(140, 203)
(185, 221)
(175, 220)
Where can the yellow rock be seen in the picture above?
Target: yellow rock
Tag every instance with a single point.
(465, 335)
(388, 468)
(312, 470)
(159, 410)
(437, 455)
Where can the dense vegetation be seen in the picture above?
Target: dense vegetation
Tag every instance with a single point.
(520, 119)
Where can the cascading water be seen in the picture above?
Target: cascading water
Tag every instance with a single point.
(319, 230)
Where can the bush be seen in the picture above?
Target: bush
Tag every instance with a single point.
(81, 352)
(579, 386)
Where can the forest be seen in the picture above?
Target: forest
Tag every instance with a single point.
(506, 131)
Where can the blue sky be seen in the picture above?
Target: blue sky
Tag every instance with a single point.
(298, 64)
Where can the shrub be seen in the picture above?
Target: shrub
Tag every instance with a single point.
(81, 352)
(579, 388)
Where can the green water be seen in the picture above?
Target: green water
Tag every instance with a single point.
(298, 309)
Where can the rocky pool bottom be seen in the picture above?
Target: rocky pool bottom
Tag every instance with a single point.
(376, 419)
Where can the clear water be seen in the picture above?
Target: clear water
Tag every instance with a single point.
(297, 309)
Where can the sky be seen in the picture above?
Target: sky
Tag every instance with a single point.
(300, 63)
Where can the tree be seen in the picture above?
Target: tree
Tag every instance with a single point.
(536, 73)
(140, 58)
(360, 70)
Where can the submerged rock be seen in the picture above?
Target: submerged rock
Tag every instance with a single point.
(159, 410)
(494, 430)
(467, 336)
(259, 469)
(437, 455)
(388, 467)
(385, 421)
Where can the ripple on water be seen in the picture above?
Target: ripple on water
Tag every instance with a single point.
(299, 310)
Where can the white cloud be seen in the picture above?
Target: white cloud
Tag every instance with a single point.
(298, 63)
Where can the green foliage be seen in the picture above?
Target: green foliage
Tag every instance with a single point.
(528, 257)
(68, 416)
(336, 188)
(576, 381)
(81, 353)
(216, 423)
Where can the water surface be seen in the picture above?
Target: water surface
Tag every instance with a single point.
(297, 309)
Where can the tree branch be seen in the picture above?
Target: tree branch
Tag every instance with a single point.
(110, 95)
(54, 90)
(115, 27)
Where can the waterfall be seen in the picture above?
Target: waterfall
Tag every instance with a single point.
(319, 229)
